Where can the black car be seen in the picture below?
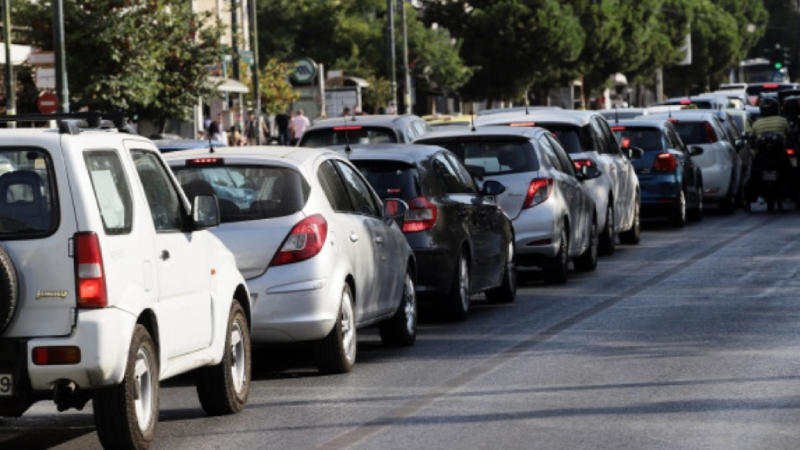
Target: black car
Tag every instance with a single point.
(463, 241)
(377, 129)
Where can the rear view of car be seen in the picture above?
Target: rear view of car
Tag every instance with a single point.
(378, 129)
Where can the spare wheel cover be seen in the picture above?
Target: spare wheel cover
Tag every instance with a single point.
(9, 290)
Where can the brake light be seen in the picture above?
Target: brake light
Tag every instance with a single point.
(350, 128)
(421, 215)
(90, 278)
(205, 162)
(62, 355)
(790, 151)
(710, 133)
(579, 163)
(522, 124)
(672, 120)
(617, 128)
(538, 192)
(626, 143)
(770, 86)
(303, 242)
(686, 102)
(665, 162)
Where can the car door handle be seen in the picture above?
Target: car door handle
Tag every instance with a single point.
(379, 239)
(353, 237)
(164, 255)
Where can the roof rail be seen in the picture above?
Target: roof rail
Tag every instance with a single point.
(72, 123)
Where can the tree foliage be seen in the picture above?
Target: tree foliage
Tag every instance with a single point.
(148, 57)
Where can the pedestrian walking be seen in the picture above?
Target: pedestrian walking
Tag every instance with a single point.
(282, 123)
(298, 125)
(256, 130)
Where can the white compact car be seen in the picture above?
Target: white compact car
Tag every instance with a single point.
(321, 253)
(110, 282)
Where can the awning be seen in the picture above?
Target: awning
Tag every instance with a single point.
(228, 85)
(19, 53)
(337, 82)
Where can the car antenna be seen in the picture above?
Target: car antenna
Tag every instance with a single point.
(472, 121)
(616, 114)
(347, 148)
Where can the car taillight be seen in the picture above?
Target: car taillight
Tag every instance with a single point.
(90, 278)
(710, 133)
(538, 191)
(665, 162)
(303, 242)
(421, 215)
(790, 151)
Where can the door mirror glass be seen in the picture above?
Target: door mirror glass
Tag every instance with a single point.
(205, 211)
(695, 150)
(493, 187)
(635, 153)
(395, 209)
(588, 172)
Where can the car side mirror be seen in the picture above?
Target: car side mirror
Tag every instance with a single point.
(205, 211)
(635, 153)
(695, 150)
(588, 172)
(395, 209)
(492, 187)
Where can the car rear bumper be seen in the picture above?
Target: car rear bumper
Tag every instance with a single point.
(716, 182)
(436, 269)
(659, 197)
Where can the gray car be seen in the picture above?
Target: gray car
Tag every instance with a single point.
(377, 129)
(552, 212)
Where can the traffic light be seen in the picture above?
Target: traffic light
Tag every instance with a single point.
(778, 56)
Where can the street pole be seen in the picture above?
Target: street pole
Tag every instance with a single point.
(62, 88)
(11, 108)
(406, 75)
(392, 51)
(234, 43)
(256, 88)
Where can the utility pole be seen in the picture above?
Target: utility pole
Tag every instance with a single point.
(62, 87)
(392, 51)
(234, 40)
(254, 48)
(11, 108)
(406, 75)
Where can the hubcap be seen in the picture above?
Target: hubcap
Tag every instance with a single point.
(348, 328)
(410, 307)
(143, 389)
(464, 283)
(238, 357)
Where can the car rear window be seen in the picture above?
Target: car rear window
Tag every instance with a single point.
(390, 179)
(648, 139)
(27, 198)
(573, 139)
(348, 134)
(495, 156)
(246, 192)
(695, 132)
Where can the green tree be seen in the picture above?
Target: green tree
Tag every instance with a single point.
(782, 29)
(148, 57)
(275, 90)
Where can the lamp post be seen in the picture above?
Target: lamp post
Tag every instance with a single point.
(406, 74)
(392, 51)
(10, 90)
(62, 87)
(256, 89)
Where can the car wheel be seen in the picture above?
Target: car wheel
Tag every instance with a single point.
(726, 205)
(697, 212)
(507, 291)
(678, 217)
(556, 269)
(126, 415)
(456, 306)
(633, 235)
(9, 290)
(587, 261)
(401, 329)
(607, 236)
(224, 388)
(336, 353)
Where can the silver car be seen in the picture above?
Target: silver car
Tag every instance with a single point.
(320, 254)
(552, 212)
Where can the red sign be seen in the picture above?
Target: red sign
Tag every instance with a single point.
(47, 103)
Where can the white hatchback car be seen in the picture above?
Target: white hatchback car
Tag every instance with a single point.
(320, 253)
(110, 282)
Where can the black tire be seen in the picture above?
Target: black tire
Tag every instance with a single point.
(456, 304)
(587, 261)
(9, 290)
(608, 238)
(696, 213)
(119, 425)
(401, 329)
(726, 206)
(770, 205)
(633, 235)
(678, 217)
(336, 353)
(224, 388)
(556, 269)
(507, 291)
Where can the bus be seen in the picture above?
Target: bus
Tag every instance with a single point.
(758, 70)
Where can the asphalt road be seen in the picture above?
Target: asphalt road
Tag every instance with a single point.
(690, 340)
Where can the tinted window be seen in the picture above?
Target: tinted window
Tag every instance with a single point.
(334, 188)
(247, 192)
(566, 163)
(648, 139)
(27, 197)
(390, 179)
(496, 157)
(446, 174)
(165, 204)
(110, 190)
(360, 194)
(462, 172)
(573, 139)
(695, 132)
(348, 134)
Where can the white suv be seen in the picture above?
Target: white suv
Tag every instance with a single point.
(109, 282)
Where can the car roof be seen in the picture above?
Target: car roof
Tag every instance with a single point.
(262, 152)
(645, 121)
(407, 153)
(488, 112)
(690, 114)
(377, 119)
(570, 117)
(166, 145)
(500, 131)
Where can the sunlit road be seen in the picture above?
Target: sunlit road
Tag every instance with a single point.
(690, 340)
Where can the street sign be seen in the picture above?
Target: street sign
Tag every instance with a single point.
(247, 57)
(305, 69)
(47, 103)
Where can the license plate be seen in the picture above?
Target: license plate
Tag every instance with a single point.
(769, 175)
(6, 385)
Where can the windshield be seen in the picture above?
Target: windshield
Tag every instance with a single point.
(344, 135)
(247, 192)
(390, 179)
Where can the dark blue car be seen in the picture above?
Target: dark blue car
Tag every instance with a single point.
(671, 184)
